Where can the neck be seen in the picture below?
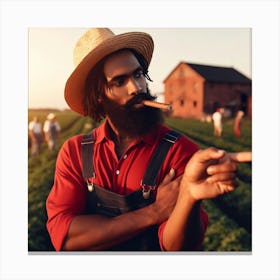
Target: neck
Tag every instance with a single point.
(121, 141)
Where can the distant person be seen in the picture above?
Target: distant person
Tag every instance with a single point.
(51, 130)
(237, 123)
(35, 133)
(217, 120)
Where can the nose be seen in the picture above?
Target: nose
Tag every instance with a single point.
(134, 87)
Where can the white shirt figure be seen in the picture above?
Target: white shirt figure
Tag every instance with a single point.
(217, 119)
(51, 130)
(35, 133)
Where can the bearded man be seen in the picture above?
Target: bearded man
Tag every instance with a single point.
(132, 184)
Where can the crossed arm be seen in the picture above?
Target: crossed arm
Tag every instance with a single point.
(96, 232)
(208, 174)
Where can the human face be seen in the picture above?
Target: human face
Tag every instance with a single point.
(124, 76)
(125, 88)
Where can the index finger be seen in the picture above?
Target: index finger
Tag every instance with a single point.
(241, 156)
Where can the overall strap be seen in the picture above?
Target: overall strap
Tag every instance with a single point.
(158, 157)
(87, 155)
(153, 168)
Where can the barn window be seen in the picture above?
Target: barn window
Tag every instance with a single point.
(182, 101)
(194, 104)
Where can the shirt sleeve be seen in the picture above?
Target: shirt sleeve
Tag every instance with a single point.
(46, 126)
(67, 196)
(31, 125)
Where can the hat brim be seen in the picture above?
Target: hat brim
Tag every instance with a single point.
(75, 85)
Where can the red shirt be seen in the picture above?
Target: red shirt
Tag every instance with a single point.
(68, 195)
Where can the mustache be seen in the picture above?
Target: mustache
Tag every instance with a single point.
(138, 98)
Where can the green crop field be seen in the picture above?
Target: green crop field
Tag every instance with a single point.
(229, 216)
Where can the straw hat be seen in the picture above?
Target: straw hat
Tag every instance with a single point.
(94, 45)
(50, 116)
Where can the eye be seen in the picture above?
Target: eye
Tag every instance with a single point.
(119, 82)
(139, 73)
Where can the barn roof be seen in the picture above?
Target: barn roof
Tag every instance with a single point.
(218, 74)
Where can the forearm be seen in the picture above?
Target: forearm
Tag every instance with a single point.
(95, 232)
(183, 229)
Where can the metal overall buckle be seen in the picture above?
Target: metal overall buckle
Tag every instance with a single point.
(146, 190)
(90, 184)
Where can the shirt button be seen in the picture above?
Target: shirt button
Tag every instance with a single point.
(117, 172)
(125, 156)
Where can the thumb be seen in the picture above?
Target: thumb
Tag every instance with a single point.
(169, 177)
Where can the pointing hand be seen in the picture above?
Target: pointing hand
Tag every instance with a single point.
(212, 172)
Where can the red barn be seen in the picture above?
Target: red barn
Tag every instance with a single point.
(196, 90)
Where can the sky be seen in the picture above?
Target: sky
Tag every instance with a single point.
(51, 53)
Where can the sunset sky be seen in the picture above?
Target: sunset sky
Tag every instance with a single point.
(51, 52)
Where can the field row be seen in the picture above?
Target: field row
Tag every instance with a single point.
(202, 132)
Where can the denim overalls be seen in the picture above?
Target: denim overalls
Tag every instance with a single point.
(104, 202)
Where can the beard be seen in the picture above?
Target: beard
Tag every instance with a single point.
(131, 121)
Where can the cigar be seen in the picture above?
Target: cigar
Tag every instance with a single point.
(154, 104)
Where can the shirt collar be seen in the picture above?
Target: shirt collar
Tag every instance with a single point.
(102, 132)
